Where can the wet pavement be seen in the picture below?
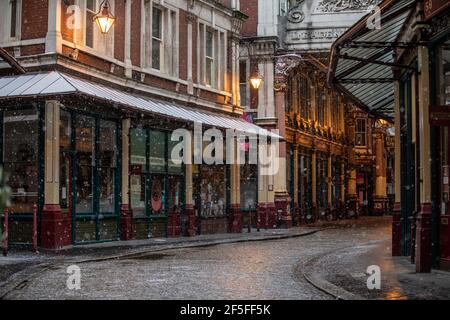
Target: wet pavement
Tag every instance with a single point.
(347, 269)
(248, 270)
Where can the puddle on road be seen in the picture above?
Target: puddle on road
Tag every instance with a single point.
(152, 256)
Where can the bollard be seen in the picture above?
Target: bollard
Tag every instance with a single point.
(35, 228)
(5, 232)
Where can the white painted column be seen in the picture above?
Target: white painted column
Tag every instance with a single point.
(127, 42)
(53, 39)
(52, 124)
(190, 20)
(126, 125)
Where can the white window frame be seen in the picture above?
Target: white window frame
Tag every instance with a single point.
(218, 57)
(5, 35)
(102, 45)
(87, 22)
(169, 48)
(246, 63)
(210, 58)
(361, 133)
(159, 39)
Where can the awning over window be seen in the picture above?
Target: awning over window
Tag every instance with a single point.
(362, 59)
(56, 83)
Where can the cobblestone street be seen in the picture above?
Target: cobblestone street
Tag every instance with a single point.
(256, 270)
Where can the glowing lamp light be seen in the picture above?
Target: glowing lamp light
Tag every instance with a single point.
(104, 18)
(256, 80)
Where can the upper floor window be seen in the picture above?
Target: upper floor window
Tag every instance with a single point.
(157, 40)
(243, 82)
(160, 38)
(212, 57)
(335, 114)
(321, 99)
(305, 98)
(361, 133)
(91, 11)
(88, 34)
(11, 23)
(209, 57)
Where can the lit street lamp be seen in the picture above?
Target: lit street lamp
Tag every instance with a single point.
(256, 79)
(104, 18)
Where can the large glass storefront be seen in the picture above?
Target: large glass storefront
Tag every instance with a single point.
(89, 175)
(20, 149)
(156, 182)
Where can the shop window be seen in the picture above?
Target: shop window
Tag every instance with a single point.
(156, 183)
(444, 74)
(20, 152)
(336, 182)
(213, 191)
(322, 181)
(108, 166)
(305, 181)
(138, 161)
(361, 133)
(158, 151)
(160, 38)
(65, 159)
(157, 203)
(85, 148)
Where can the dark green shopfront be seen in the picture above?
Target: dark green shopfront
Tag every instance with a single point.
(98, 172)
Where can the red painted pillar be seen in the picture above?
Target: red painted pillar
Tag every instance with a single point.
(423, 240)
(126, 223)
(397, 231)
(283, 210)
(190, 212)
(236, 219)
(54, 228)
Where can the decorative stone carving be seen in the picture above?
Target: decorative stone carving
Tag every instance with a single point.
(345, 5)
(284, 64)
(295, 14)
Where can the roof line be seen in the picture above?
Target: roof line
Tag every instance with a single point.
(15, 65)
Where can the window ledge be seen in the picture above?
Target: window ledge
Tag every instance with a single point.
(211, 89)
(160, 74)
(93, 52)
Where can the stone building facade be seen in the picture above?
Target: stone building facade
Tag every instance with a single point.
(86, 130)
(335, 149)
(407, 64)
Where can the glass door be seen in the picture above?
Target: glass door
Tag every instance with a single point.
(95, 180)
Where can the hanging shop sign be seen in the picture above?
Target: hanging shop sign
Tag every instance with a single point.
(433, 7)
